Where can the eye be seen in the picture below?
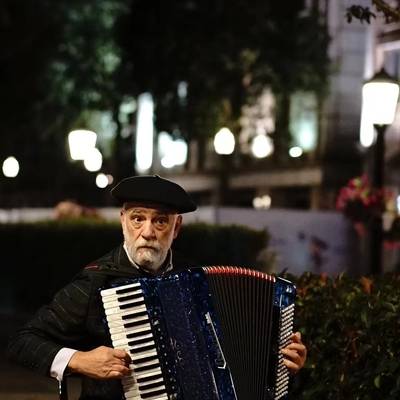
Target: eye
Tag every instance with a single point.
(161, 222)
(136, 219)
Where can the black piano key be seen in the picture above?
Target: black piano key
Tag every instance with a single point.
(125, 306)
(126, 290)
(130, 297)
(146, 367)
(152, 394)
(142, 349)
(138, 341)
(145, 359)
(132, 335)
(134, 323)
(148, 378)
(150, 385)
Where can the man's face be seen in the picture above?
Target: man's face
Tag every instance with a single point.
(149, 232)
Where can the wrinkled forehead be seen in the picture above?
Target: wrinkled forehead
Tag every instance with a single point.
(154, 208)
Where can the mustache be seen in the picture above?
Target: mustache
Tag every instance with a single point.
(148, 245)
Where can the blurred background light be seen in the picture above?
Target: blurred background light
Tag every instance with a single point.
(10, 167)
(144, 132)
(295, 151)
(80, 142)
(262, 146)
(224, 142)
(102, 181)
(93, 160)
(262, 202)
(182, 89)
(172, 152)
(304, 120)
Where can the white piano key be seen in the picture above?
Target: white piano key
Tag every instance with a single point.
(146, 374)
(132, 395)
(120, 298)
(151, 382)
(120, 342)
(118, 310)
(130, 384)
(144, 354)
(127, 317)
(153, 389)
(127, 314)
(149, 364)
(125, 333)
(157, 397)
(122, 305)
(140, 337)
(119, 326)
(141, 345)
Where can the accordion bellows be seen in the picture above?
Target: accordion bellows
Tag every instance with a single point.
(212, 333)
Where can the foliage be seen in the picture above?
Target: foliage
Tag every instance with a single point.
(42, 257)
(350, 327)
(224, 245)
(390, 12)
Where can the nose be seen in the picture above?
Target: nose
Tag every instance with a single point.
(148, 231)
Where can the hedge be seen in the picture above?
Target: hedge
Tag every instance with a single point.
(39, 258)
(352, 331)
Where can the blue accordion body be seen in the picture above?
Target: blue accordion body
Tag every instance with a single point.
(191, 339)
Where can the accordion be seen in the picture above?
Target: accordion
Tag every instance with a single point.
(211, 333)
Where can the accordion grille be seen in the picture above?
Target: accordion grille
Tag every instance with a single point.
(243, 300)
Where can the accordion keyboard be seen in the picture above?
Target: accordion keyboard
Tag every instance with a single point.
(285, 331)
(130, 330)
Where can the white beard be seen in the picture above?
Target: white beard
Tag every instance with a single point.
(147, 255)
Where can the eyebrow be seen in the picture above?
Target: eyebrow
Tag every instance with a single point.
(157, 212)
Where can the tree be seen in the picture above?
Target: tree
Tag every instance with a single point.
(58, 59)
(226, 53)
(387, 9)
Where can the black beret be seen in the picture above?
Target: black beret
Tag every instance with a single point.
(153, 189)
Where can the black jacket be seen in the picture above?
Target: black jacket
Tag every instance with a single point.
(75, 318)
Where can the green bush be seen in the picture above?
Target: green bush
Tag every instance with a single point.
(351, 328)
(40, 258)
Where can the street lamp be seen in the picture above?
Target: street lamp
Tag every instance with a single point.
(379, 102)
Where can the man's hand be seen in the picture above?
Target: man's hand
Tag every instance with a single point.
(101, 363)
(295, 353)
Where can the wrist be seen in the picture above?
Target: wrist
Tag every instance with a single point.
(74, 363)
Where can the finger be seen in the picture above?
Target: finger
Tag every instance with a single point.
(119, 353)
(124, 358)
(292, 355)
(121, 368)
(293, 367)
(296, 337)
(296, 346)
(114, 375)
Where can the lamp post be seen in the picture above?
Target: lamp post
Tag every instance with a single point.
(224, 146)
(379, 102)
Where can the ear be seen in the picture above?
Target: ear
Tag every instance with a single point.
(122, 217)
(178, 224)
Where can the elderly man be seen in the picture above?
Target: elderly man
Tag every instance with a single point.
(69, 335)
